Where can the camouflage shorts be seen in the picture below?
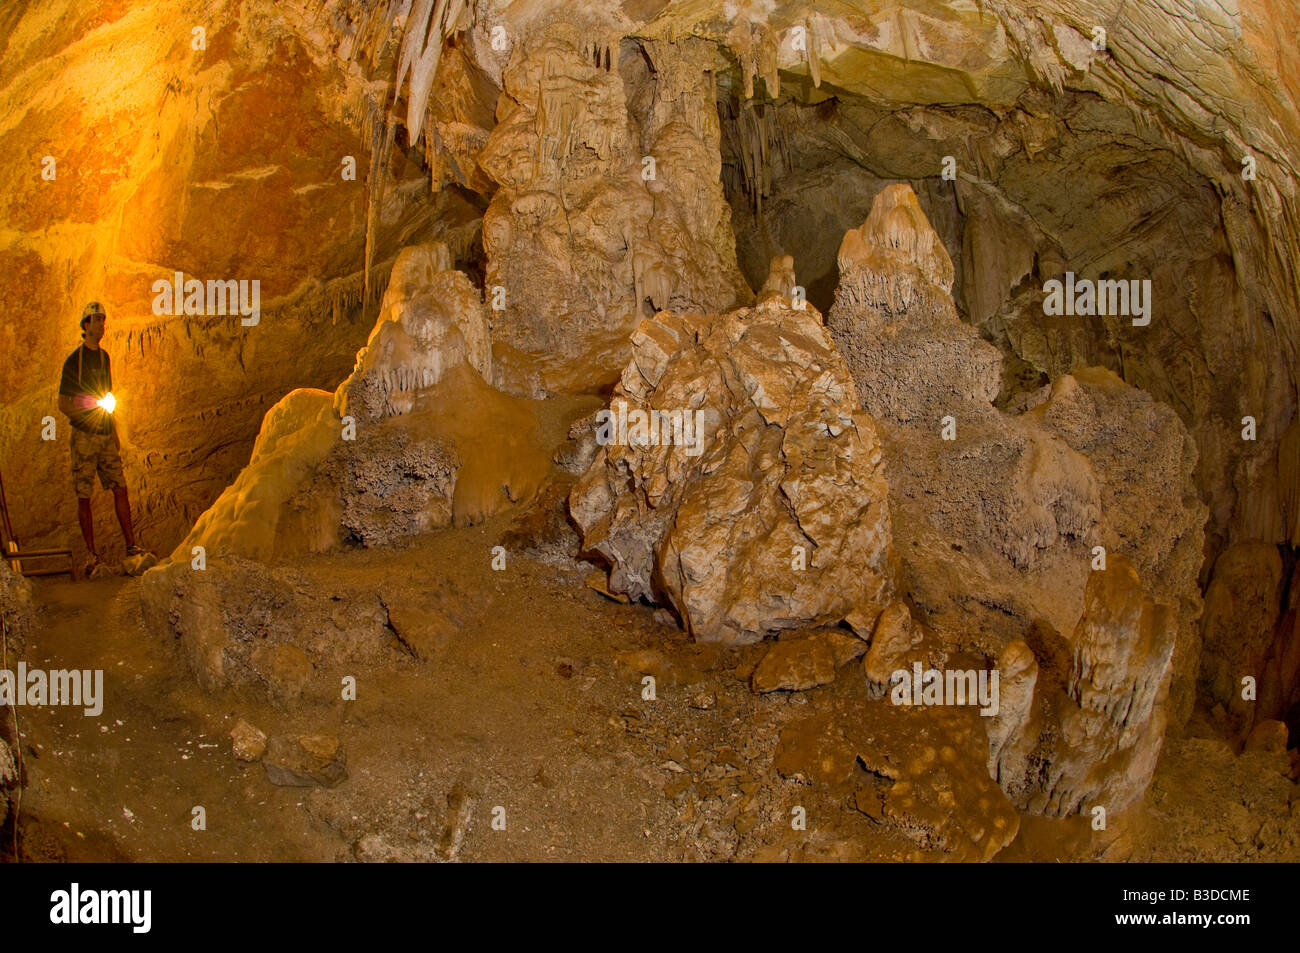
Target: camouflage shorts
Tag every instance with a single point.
(93, 452)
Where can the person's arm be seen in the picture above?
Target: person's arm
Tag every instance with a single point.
(73, 401)
(70, 405)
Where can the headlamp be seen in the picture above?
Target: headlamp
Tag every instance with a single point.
(108, 402)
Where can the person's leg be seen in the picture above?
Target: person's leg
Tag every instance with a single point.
(87, 522)
(123, 505)
(111, 478)
(83, 484)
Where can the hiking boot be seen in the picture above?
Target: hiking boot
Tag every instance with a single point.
(138, 560)
(92, 563)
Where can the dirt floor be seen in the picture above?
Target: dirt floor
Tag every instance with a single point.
(529, 739)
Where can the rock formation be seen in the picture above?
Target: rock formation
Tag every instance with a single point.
(998, 516)
(533, 208)
(772, 514)
(431, 320)
(243, 625)
(228, 162)
(1250, 659)
(603, 214)
(16, 615)
(412, 440)
(1082, 719)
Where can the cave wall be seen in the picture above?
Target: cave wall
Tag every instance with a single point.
(223, 163)
(1046, 187)
(1118, 162)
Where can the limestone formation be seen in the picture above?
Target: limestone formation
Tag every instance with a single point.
(431, 319)
(601, 216)
(998, 516)
(413, 440)
(1243, 639)
(1082, 719)
(797, 259)
(242, 180)
(771, 514)
(897, 642)
(296, 435)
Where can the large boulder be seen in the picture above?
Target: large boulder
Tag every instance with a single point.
(776, 515)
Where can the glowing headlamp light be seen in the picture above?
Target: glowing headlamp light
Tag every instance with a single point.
(108, 402)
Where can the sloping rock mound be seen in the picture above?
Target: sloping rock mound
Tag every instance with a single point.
(1082, 720)
(774, 514)
(251, 517)
(280, 632)
(998, 516)
(413, 440)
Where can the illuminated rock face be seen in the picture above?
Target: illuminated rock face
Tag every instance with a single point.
(774, 515)
(223, 163)
(609, 207)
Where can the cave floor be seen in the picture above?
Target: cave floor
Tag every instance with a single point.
(535, 718)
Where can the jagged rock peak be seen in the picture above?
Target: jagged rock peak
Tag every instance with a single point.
(895, 258)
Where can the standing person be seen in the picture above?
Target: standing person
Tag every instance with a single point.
(85, 398)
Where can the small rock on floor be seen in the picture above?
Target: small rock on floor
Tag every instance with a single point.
(249, 743)
(305, 760)
(795, 665)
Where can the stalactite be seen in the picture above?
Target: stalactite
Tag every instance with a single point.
(814, 53)
(381, 134)
(767, 59)
(425, 25)
(755, 137)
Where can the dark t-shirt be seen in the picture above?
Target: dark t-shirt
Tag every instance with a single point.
(88, 372)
